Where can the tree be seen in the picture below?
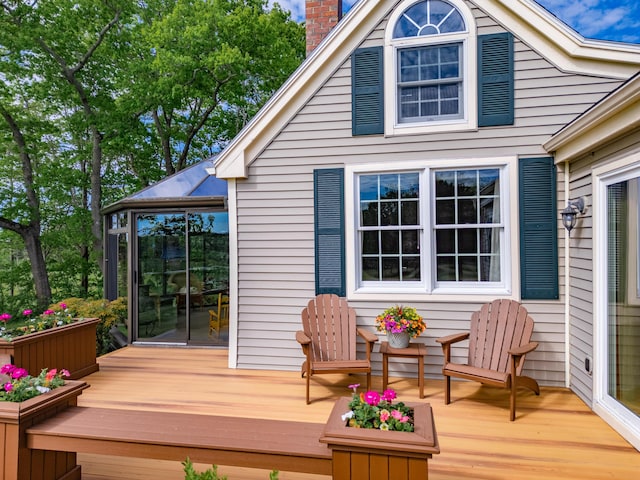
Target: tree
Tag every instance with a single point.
(100, 98)
(204, 68)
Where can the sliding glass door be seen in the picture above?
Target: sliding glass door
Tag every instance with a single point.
(182, 270)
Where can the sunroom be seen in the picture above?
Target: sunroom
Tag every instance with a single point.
(167, 251)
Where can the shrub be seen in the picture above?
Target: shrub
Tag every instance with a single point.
(110, 313)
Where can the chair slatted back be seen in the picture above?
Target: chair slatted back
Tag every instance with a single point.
(331, 325)
(495, 329)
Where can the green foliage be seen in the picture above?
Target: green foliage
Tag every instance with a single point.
(211, 473)
(111, 313)
(107, 97)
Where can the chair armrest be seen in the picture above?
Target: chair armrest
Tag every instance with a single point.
(302, 338)
(368, 336)
(523, 349)
(449, 339)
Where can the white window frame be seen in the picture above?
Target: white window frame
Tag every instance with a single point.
(468, 40)
(427, 288)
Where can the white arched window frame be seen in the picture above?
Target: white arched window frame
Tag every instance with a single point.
(467, 120)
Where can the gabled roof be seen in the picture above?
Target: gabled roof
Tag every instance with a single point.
(530, 22)
(610, 118)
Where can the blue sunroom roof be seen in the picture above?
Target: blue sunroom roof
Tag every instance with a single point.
(193, 181)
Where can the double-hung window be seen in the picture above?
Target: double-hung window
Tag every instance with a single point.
(431, 50)
(432, 229)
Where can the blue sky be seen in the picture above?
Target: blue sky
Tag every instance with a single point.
(617, 20)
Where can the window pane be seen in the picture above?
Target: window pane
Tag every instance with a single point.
(369, 187)
(488, 180)
(467, 212)
(411, 269)
(370, 243)
(467, 241)
(490, 268)
(390, 268)
(446, 269)
(370, 268)
(409, 213)
(468, 269)
(445, 241)
(445, 212)
(490, 240)
(388, 186)
(467, 182)
(445, 184)
(390, 241)
(389, 213)
(409, 185)
(410, 243)
(369, 214)
(489, 210)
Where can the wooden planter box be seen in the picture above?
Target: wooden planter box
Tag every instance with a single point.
(70, 346)
(377, 455)
(17, 462)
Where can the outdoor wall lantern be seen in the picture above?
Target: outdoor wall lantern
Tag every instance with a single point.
(570, 214)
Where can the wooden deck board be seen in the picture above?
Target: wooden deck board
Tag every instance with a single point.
(555, 436)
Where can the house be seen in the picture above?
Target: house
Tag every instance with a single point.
(422, 155)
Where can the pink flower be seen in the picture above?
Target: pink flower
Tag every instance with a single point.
(27, 312)
(384, 415)
(7, 369)
(19, 373)
(372, 398)
(5, 317)
(50, 374)
(388, 395)
(48, 312)
(8, 387)
(63, 306)
(404, 419)
(354, 386)
(397, 414)
(65, 373)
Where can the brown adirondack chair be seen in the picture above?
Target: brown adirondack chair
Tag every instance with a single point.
(328, 339)
(499, 339)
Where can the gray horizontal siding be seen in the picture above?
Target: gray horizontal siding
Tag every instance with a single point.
(275, 211)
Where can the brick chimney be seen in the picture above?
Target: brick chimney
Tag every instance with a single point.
(321, 17)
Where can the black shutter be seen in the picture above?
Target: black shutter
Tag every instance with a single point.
(495, 80)
(367, 91)
(328, 188)
(538, 229)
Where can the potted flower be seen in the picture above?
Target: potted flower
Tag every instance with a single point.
(400, 323)
(57, 338)
(373, 410)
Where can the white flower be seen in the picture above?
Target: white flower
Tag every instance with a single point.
(42, 389)
(347, 415)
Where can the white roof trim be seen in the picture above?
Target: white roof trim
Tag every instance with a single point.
(526, 19)
(614, 115)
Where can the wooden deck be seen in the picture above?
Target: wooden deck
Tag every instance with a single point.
(555, 435)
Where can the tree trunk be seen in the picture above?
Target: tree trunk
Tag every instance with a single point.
(31, 236)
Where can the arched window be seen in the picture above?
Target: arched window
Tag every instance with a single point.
(431, 46)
